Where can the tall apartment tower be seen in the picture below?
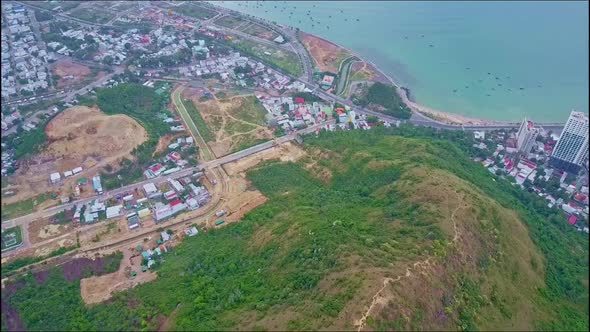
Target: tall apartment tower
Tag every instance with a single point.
(526, 137)
(571, 150)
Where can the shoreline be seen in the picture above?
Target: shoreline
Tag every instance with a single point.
(406, 95)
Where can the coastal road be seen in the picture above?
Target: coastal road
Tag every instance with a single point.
(417, 118)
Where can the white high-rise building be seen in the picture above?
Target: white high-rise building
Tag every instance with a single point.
(571, 150)
(526, 137)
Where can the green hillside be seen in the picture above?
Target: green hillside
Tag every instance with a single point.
(389, 229)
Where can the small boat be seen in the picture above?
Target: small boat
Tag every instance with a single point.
(488, 95)
(430, 45)
(455, 90)
(521, 88)
(489, 73)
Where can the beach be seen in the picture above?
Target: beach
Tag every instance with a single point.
(329, 53)
(463, 61)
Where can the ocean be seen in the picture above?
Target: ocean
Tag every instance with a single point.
(490, 60)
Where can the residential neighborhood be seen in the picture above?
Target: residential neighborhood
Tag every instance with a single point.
(528, 156)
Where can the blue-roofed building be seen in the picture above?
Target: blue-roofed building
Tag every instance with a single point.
(96, 184)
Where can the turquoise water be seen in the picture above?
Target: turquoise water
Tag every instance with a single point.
(541, 47)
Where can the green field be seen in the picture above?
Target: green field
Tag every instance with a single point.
(92, 15)
(259, 31)
(250, 110)
(193, 10)
(229, 21)
(343, 76)
(283, 60)
(10, 211)
(195, 115)
(11, 238)
(192, 126)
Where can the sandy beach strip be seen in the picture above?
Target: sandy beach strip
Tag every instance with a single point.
(437, 115)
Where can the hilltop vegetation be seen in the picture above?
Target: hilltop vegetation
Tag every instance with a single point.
(398, 215)
(384, 98)
(144, 105)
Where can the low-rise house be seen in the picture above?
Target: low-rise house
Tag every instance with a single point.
(55, 177)
(114, 211)
(149, 188)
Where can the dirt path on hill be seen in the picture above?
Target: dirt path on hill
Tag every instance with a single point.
(379, 299)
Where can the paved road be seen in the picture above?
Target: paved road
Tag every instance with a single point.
(177, 100)
(24, 220)
(416, 118)
(67, 98)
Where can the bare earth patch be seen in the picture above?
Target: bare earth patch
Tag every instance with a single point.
(234, 122)
(98, 289)
(79, 136)
(327, 56)
(69, 72)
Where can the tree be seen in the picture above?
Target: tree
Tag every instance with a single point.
(108, 60)
(372, 119)
(89, 39)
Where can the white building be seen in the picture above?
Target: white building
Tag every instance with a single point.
(571, 150)
(114, 211)
(55, 177)
(150, 188)
(526, 136)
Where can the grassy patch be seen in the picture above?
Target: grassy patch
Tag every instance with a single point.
(248, 142)
(259, 31)
(275, 57)
(198, 120)
(11, 237)
(250, 110)
(229, 21)
(193, 10)
(10, 267)
(92, 15)
(237, 127)
(21, 208)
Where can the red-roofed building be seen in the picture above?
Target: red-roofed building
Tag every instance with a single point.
(175, 202)
(580, 198)
(157, 169)
(299, 100)
(175, 156)
(572, 219)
